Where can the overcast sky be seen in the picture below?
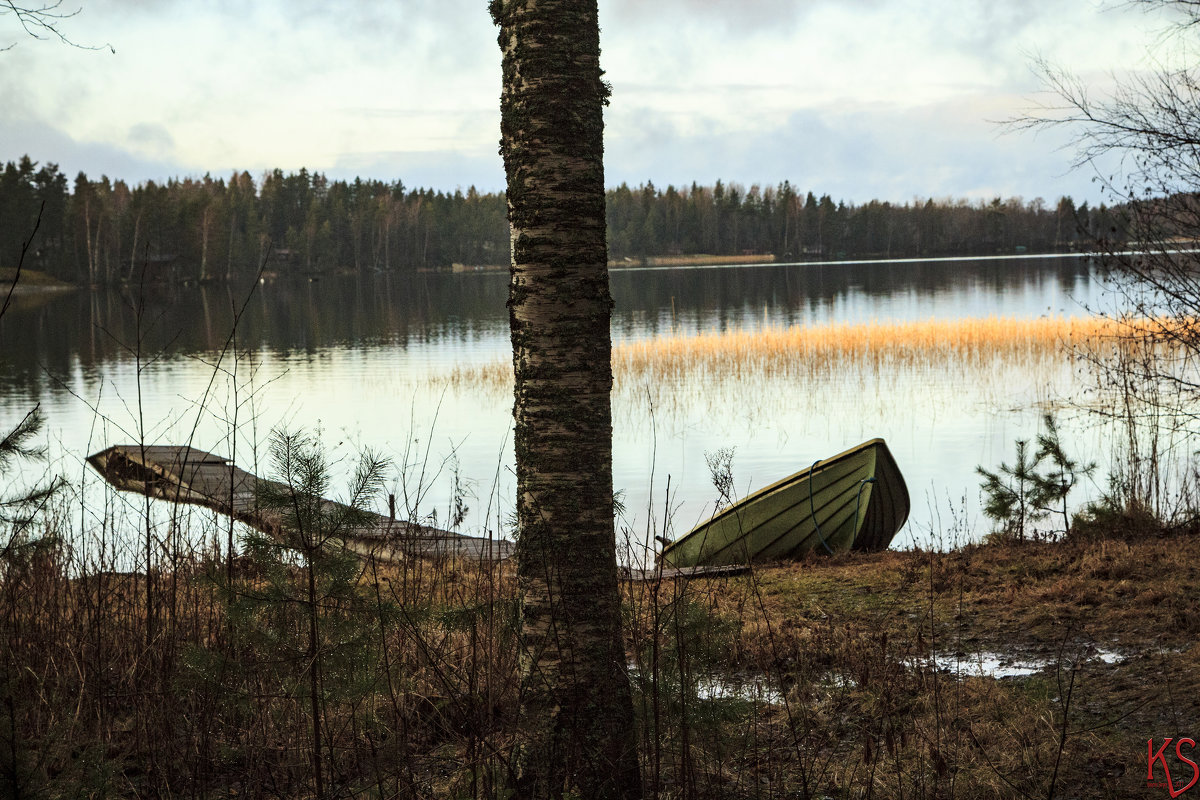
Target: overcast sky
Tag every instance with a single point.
(860, 99)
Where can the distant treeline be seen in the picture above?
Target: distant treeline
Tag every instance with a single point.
(104, 231)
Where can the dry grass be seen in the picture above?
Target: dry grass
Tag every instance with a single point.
(30, 281)
(874, 656)
(862, 664)
(693, 260)
(808, 350)
(180, 683)
(821, 350)
(876, 369)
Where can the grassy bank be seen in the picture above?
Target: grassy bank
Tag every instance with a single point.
(853, 676)
(886, 664)
(697, 260)
(30, 281)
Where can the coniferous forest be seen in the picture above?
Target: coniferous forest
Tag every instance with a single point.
(203, 229)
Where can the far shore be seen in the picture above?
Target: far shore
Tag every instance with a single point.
(699, 259)
(31, 282)
(35, 282)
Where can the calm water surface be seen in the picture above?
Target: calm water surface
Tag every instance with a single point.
(365, 362)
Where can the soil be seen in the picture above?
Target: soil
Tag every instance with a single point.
(1107, 621)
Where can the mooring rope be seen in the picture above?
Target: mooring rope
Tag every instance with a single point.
(858, 498)
(812, 509)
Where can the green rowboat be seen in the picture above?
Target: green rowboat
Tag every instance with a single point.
(856, 500)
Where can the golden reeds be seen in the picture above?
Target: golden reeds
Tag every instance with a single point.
(826, 349)
(801, 350)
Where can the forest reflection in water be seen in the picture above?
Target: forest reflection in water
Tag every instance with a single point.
(372, 362)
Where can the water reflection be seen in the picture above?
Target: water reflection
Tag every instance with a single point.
(354, 358)
(703, 298)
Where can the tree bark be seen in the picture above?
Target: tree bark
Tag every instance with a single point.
(204, 244)
(137, 224)
(577, 713)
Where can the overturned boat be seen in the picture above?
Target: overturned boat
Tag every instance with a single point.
(855, 500)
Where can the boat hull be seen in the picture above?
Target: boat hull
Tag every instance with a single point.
(855, 500)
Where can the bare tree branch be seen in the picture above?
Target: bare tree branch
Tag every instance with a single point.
(42, 22)
(1142, 140)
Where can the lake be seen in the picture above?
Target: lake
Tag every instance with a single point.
(372, 363)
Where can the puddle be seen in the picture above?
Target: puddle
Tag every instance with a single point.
(759, 689)
(1016, 665)
(754, 689)
(747, 687)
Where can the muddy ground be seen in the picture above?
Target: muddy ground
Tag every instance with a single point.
(1007, 669)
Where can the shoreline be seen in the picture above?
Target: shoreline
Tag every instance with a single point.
(31, 282)
(35, 282)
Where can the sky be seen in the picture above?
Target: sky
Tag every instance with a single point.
(860, 99)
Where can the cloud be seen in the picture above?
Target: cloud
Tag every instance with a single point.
(49, 145)
(740, 17)
(853, 154)
(152, 139)
(443, 170)
(946, 150)
(436, 32)
(858, 98)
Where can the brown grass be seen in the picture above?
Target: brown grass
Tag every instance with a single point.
(693, 260)
(100, 698)
(862, 663)
(875, 656)
(29, 279)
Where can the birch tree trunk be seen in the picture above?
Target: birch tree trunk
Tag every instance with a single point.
(137, 224)
(87, 239)
(577, 715)
(229, 260)
(204, 244)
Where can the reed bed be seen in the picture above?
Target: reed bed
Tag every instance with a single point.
(870, 369)
(823, 349)
(807, 351)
